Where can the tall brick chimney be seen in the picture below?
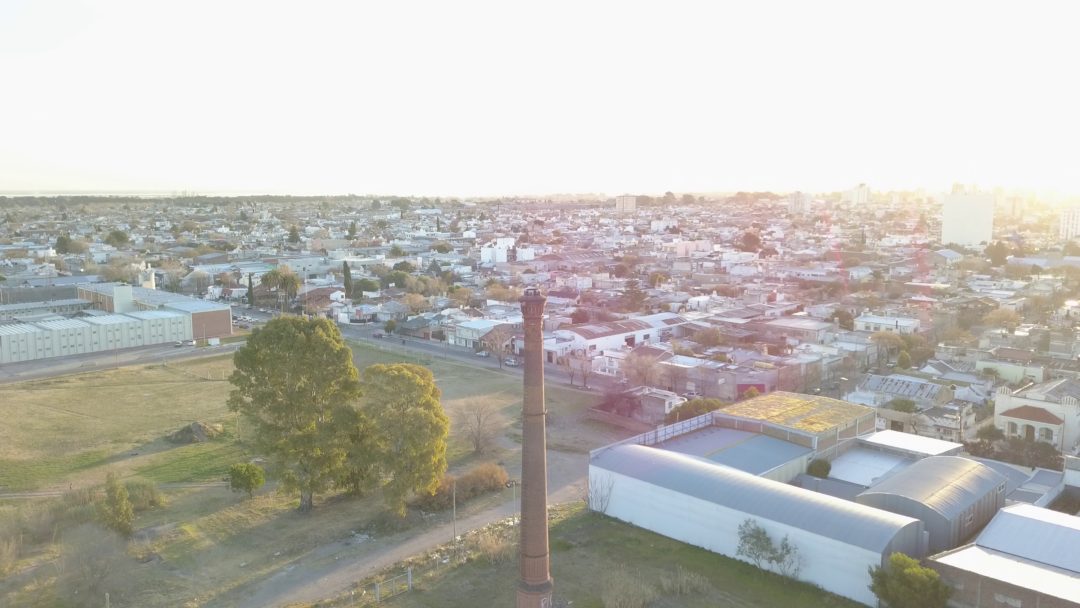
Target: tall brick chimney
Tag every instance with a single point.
(534, 584)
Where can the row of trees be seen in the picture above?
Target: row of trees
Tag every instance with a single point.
(322, 424)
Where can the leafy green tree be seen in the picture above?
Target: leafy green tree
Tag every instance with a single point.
(404, 266)
(750, 241)
(246, 477)
(906, 406)
(751, 392)
(251, 290)
(442, 247)
(580, 315)
(903, 360)
(403, 402)
(294, 235)
(117, 512)
(291, 378)
(367, 285)
(989, 432)
(396, 252)
(116, 238)
(390, 326)
(904, 583)
(352, 230)
(998, 253)
(693, 407)
(844, 319)
(819, 467)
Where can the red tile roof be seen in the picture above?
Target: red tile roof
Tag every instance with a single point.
(1034, 414)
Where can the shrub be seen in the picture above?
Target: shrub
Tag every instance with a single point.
(246, 477)
(9, 553)
(819, 468)
(479, 480)
(144, 494)
(116, 511)
(493, 547)
(683, 582)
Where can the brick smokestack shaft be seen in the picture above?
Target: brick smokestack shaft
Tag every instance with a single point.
(535, 584)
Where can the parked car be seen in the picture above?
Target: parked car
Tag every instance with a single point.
(178, 343)
(482, 353)
(511, 362)
(378, 334)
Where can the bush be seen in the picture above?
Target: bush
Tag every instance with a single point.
(479, 480)
(819, 468)
(493, 547)
(246, 477)
(144, 494)
(9, 554)
(683, 582)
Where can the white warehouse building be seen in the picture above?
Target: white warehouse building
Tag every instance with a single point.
(58, 336)
(703, 504)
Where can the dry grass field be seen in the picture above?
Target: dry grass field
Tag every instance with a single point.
(207, 545)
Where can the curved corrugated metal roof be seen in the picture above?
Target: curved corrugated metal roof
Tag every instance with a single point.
(946, 484)
(1035, 534)
(819, 514)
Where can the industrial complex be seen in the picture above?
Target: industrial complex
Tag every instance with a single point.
(700, 479)
(105, 317)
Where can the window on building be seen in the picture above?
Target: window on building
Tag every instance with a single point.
(1013, 429)
(1046, 434)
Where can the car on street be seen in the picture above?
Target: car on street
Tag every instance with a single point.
(378, 334)
(482, 353)
(511, 362)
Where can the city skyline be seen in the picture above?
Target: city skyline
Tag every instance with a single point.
(482, 99)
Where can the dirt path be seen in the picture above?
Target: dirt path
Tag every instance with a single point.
(312, 582)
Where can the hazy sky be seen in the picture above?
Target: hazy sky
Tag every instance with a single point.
(458, 97)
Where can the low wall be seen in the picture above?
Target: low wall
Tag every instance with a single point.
(616, 420)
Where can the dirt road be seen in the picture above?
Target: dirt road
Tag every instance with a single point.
(308, 581)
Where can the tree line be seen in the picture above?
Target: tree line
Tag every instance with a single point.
(322, 424)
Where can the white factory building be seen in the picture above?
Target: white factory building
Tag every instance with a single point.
(57, 336)
(703, 504)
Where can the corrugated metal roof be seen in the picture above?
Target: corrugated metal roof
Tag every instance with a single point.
(796, 411)
(109, 320)
(1014, 571)
(1036, 534)
(62, 324)
(911, 443)
(819, 514)
(13, 329)
(946, 484)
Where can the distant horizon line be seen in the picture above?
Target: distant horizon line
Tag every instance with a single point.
(242, 192)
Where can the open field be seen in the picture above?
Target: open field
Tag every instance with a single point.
(208, 546)
(595, 558)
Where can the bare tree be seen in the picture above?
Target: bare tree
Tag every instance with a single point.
(584, 365)
(600, 487)
(567, 363)
(497, 340)
(480, 422)
(640, 369)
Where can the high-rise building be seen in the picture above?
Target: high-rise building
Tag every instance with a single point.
(967, 218)
(626, 203)
(1070, 223)
(859, 195)
(534, 582)
(798, 203)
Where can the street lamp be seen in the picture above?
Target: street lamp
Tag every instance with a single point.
(513, 484)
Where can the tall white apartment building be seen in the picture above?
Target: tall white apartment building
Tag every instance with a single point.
(798, 203)
(967, 218)
(859, 195)
(626, 203)
(1070, 223)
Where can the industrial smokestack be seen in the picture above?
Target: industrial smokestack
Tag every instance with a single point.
(535, 584)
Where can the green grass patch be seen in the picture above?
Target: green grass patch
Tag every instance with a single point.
(594, 558)
(206, 461)
(31, 473)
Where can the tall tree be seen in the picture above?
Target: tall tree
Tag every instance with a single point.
(294, 235)
(904, 583)
(633, 298)
(291, 378)
(352, 230)
(346, 274)
(251, 290)
(403, 403)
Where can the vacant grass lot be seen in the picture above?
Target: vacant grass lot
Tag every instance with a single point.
(209, 546)
(597, 561)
